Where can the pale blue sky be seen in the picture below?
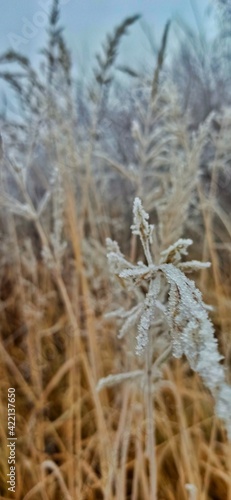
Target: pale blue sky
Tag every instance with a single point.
(86, 23)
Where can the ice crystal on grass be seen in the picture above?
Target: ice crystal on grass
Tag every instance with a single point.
(145, 323)
(116, 259)
(174, 252)
(142, 228)
(223, 406)
(115, 379)
(194, 265)
(186, 314)
(147, 316)
(140, 225)
(191, 331)
(131, 320)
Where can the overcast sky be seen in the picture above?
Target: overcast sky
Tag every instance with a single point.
(86, 22)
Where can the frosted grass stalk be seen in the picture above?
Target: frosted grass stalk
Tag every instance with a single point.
(191, 331)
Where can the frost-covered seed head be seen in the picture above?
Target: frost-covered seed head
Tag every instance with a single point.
(140, 225)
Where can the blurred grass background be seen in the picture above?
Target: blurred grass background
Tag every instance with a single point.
(71, 165)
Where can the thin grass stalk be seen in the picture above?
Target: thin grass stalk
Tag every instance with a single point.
(150, 423)
(75, 236)
(215, 261)
(144, 482)
(207, 476)
(124, 443)
(160, 60)
(135, 481)
(186, 444)
(117, 442)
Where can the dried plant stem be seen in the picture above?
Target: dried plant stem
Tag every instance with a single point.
(150, 426)
(163, 357)
(121, 482)
(142, 473)
(160, 61)
(186, 445)
(118, 439)
(135, 476)
(210, 247)
(207, 478)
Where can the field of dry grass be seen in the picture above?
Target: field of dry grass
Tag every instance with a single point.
(65, 188)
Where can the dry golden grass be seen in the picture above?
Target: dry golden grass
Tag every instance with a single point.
(56, 344)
